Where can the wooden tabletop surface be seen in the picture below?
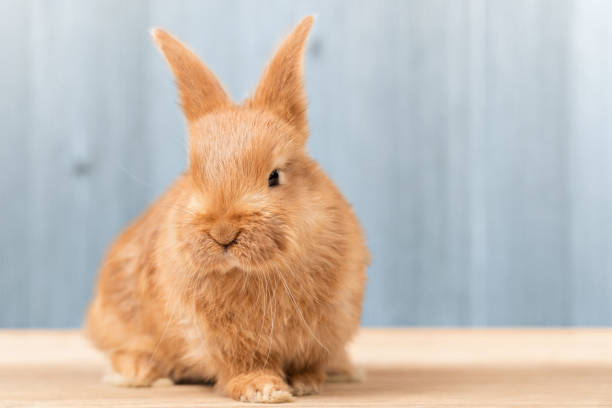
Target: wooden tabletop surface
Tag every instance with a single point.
(404, 367)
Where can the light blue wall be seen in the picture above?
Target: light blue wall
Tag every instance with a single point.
(474, 139)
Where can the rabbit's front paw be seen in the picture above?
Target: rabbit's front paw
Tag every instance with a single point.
(132, 369)
(258, 387)
(306, 383)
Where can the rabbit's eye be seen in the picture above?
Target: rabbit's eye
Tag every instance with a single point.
(273, 178)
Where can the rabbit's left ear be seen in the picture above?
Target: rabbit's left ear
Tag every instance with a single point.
(198, 87)
(281, 88)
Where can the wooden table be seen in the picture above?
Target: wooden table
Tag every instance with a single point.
(404, 367)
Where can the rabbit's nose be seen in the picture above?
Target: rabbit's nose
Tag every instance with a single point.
(224, 233)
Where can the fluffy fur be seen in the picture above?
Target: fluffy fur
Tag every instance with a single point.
(226, 279)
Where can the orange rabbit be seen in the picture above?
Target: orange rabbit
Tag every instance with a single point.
(250, 270)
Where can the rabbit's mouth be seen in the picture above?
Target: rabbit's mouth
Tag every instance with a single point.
(247, 251)
(224, 262)
(247, 255)
(227, 260)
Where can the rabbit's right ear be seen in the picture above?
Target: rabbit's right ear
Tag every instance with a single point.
(198, 87)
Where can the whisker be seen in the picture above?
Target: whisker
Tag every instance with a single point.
(265, 306)
(271, 327)
(299, 311)
(132, 175)
(176, 206)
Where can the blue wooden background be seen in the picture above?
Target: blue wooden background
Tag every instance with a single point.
(473, 137)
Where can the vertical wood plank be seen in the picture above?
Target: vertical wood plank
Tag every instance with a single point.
(429, 151)
(57, 156)
(591, 163)
(476, 166)
(14, 191)
(78, 107)
(526, 172)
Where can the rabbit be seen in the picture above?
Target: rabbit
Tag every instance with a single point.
(249, 271)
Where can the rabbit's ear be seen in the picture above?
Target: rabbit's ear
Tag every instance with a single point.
(281, 88)
(200, 91)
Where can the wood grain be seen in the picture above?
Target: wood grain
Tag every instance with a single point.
(404, 367)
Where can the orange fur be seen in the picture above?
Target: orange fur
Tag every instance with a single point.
(225, 278)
